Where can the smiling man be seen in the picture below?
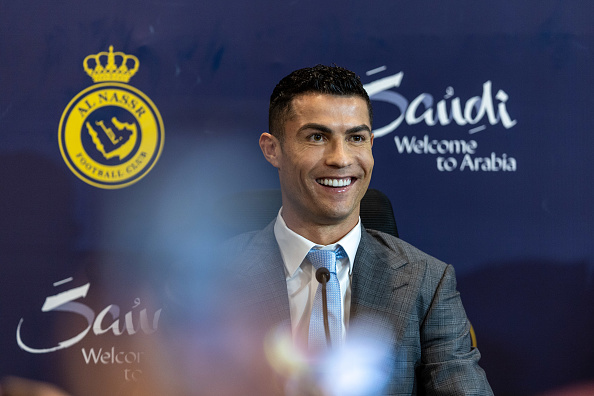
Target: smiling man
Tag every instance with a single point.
(323, 155)
(320, 140)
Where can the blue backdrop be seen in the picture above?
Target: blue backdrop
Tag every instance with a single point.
(483, 121)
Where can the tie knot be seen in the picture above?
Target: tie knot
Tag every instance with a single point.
(326, 258)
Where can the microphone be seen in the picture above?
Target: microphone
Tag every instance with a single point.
(323, 276)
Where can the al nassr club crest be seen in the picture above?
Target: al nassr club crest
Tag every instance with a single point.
(111, 134)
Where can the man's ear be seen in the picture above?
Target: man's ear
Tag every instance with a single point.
(271, 149)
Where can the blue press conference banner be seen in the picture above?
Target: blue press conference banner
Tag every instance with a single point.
(124, 123)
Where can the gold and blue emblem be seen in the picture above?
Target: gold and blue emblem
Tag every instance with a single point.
(111, 134)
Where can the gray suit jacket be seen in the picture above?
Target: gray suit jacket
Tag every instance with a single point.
(408, 297)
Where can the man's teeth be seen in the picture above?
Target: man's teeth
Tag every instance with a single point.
(335, 182)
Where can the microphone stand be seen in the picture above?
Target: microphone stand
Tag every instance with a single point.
(323, 276)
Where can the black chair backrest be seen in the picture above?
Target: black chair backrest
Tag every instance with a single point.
(377, 213)
(253, 210)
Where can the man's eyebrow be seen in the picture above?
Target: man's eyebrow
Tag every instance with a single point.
(325, 129)
(317, 127)
(358, 128)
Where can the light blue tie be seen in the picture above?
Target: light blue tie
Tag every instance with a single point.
(317, 335)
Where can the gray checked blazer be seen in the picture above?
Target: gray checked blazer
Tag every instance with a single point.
(409, 297)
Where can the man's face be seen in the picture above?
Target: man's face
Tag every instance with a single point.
(324, 161)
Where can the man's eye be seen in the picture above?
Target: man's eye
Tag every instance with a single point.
(317, 137)
(357, 138)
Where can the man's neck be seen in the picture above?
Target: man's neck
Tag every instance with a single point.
(321, 234)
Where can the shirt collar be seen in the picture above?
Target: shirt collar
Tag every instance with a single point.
(294, 247)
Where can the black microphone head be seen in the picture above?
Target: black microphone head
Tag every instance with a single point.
(323, 275)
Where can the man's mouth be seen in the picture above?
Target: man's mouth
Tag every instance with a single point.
(335, 182)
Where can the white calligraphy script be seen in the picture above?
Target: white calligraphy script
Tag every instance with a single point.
(65, 302)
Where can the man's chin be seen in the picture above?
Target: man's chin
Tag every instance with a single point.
(337, 216)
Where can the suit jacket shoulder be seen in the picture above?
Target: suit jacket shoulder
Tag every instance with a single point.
(403, 249)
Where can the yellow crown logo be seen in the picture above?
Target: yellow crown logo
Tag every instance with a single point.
(126, 67)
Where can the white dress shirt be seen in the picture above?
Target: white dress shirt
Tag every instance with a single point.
(300, 274)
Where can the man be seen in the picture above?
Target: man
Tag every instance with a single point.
(320, 141)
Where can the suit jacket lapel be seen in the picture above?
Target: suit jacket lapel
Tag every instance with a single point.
(263, 274)
(385, 286)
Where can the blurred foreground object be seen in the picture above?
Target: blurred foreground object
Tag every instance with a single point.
(14, 386)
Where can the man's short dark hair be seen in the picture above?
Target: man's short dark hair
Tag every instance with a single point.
(330, 80)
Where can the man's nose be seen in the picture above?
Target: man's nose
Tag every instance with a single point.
(338, 154)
